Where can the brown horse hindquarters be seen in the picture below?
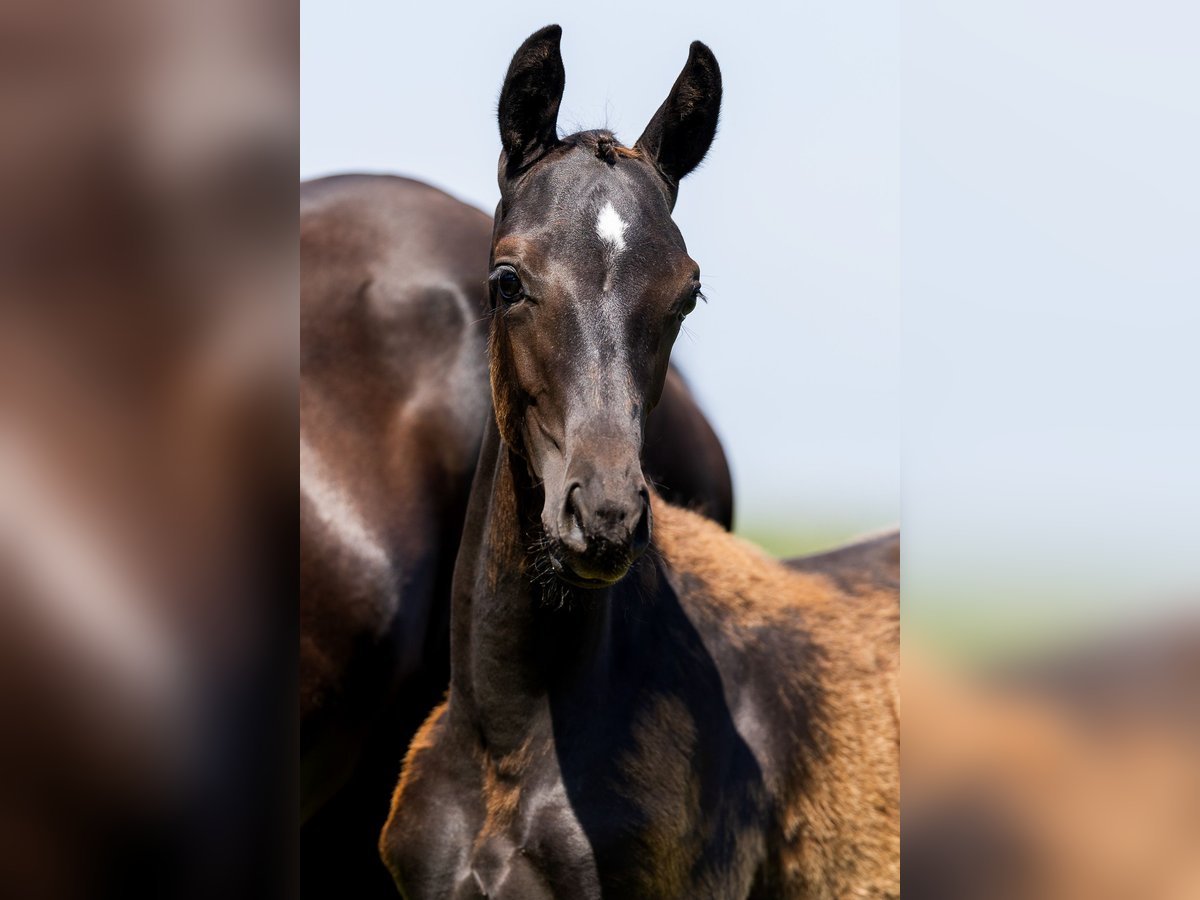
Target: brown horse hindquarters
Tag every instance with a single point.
(387, 445)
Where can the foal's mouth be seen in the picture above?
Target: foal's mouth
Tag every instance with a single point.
(565, 572)
(552, 562)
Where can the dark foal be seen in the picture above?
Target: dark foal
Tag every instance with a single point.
(394, 398)
(640, 704)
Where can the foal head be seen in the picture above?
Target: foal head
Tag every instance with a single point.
(590, 281)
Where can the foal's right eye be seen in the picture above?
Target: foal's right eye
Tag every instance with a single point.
(508, 284)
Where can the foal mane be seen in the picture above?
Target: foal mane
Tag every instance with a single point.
(604, 144)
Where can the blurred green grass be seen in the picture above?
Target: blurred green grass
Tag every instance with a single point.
(785, 541)
(973, 627)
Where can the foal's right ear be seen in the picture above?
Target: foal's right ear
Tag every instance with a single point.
(529, 99)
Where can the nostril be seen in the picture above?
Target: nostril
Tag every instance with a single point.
(573, 502)
(572, 516)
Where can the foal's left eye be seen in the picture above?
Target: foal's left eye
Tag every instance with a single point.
(508, 284)
(688, 305)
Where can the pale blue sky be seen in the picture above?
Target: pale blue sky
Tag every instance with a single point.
(1051, 297)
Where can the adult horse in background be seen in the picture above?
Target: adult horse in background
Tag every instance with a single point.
(640, 704)
(394, 398)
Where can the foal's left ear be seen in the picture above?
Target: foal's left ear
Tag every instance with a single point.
(529, 100)
(682, 130)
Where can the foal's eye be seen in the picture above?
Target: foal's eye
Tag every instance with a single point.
(508, 284)
(686, 307)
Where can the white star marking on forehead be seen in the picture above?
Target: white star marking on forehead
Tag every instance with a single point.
(611, 228)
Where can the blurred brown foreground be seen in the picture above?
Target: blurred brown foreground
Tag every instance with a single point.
(147, 448)
(1070, 777)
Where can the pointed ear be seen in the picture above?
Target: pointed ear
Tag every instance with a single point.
(529, 99)
(681, 131)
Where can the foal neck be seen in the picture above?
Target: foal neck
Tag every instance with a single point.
(516, 631)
